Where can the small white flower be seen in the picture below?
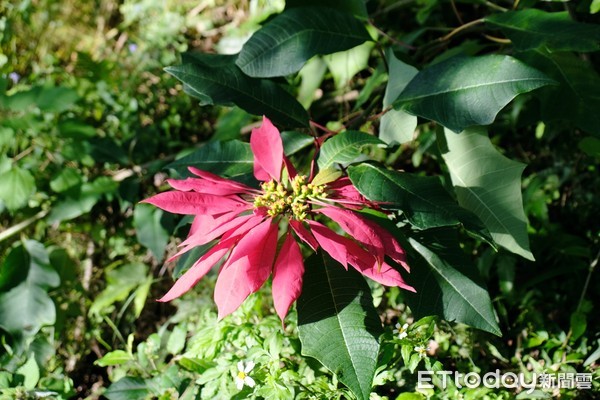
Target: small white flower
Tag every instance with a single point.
(242, 377)
(422, 350)
(401, 331)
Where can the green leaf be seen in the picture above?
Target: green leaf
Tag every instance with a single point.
(195, 364)
(590, 146)
(116, 357)
(489, 185)
(215, 79)
(576, 99)
(128, 388)
(28, 263)
(536, 29)
(312, 75)
(466, 91)
(176, 341)
(283, 45)
(338, 324)
(150, 225)
(16, 187)
(423, 200)
(356, 7)
(31, 372)
(294, 141)
(397, 125)
(445, 283)
(41, 273)
(77, 204)
(14, 268)
(230, 158)
(66, 179)
(344, 65)
(56, 99)
(25, 309)
(344, 148)
(230, 124)
(121, 282)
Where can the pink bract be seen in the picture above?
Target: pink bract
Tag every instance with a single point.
(247, 224)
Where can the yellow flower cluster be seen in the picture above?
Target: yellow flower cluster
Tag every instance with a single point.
(290, 198)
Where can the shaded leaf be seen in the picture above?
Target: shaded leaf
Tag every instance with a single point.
(423, 200)
(338, 324)
(215, 79)
(576, 99)
(489, 185)
(536, 29)
(293, 141)
(283, 45)
(229, 159)
(344, 148)
(467, 91)
(356, 7)
(443, 287)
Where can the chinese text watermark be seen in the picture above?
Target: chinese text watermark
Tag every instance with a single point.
(508, 380)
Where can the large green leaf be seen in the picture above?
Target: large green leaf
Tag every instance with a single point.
(577, 99)
(489, 185)
(290, 39)
(536, 29)
(338, 324)
(230, 158)
(16, 187)
(215, 79)
(25, 309)
(345, 147)
(422, 199)
(446, 284)
(397, 125)
(467, 91)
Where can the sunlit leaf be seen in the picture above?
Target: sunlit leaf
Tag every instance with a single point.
(16, 187)
(338, 324)
(467, 91)
(283, 45)
(397, 125)
(345, 147)
(489, 185)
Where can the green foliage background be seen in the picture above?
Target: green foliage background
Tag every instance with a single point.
(91, 123)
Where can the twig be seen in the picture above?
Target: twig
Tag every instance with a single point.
(22, 225)
(460, 29)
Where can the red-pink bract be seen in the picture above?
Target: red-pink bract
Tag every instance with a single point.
(247, 224)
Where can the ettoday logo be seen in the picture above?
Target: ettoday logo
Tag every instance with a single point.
(507, 380)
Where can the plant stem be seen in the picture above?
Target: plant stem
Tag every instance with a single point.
(22, 225)
(461, 28)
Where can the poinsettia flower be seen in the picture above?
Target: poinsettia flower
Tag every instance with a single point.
(247, 225)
